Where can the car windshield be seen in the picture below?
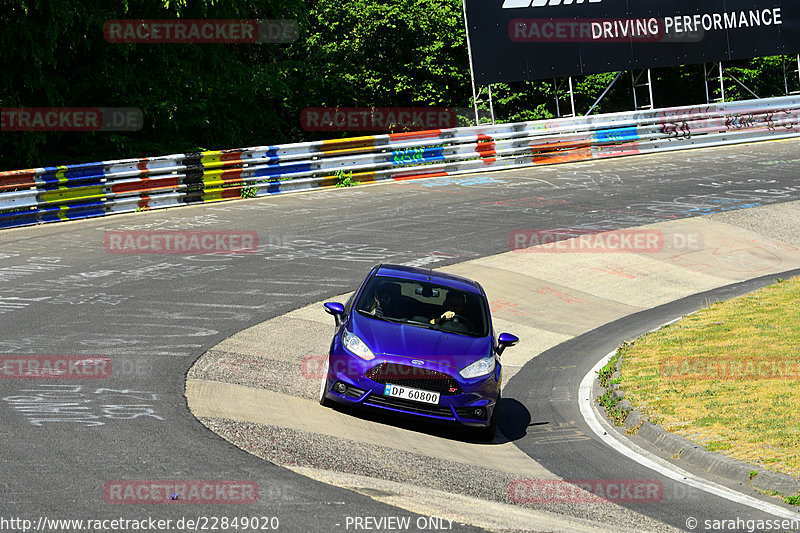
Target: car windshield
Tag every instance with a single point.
(424, 304)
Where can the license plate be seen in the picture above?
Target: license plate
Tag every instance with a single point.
(407, 393)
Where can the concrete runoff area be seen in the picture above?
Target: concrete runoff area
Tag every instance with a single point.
(492, 516)
(545, 297)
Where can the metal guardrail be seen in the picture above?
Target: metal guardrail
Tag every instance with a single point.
(70, 192)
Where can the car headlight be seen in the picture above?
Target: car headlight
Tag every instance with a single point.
(479, 368)
(356, 345)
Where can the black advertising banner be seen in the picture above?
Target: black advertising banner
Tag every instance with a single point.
(516, 40)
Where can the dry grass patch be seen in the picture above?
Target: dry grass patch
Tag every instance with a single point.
(727, 377)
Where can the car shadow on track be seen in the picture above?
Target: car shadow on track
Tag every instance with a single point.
(514, 420)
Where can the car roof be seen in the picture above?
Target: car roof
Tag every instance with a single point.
(426, 274)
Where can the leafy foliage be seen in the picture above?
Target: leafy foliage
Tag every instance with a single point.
(345, 179)
(212, 96)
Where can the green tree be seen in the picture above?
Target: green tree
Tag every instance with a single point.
(191, 95)
(353, 53)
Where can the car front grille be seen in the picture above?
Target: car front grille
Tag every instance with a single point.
(405, 405)
(414, 377)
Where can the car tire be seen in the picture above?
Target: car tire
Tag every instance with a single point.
(323, 386)
(487, 434)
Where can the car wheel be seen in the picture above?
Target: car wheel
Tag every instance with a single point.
(323, 385)
(487, 434)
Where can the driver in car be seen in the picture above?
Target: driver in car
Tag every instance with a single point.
(384, 302)
(453, 303)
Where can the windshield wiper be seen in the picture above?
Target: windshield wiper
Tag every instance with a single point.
(384, 318)
(470, 333)
(421, 325)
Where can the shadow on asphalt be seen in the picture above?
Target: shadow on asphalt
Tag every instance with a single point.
(514, 420)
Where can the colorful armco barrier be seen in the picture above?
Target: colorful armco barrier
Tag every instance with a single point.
(72, 192)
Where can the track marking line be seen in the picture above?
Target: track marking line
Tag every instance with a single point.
(648, 460)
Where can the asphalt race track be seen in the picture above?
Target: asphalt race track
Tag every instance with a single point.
(562, 367)
(153, 315)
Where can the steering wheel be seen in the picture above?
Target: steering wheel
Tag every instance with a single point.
(461, 319)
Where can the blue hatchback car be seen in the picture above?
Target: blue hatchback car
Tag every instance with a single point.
(417, 342)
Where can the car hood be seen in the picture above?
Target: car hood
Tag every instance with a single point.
(414, 342)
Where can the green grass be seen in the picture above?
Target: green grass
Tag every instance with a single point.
(750, 413)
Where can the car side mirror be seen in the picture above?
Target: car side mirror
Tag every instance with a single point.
(336, 309)
(504, 341)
